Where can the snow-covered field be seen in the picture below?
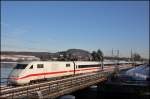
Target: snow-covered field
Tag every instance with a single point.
(18, 57)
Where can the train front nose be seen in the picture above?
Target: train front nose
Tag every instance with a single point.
(12, 80)
(14, 76)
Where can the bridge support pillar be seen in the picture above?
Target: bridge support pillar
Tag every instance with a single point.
(99, 88)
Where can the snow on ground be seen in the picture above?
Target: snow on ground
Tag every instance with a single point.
(139, 73)
(18, 57)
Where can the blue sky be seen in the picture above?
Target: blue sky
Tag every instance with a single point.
(90, 25)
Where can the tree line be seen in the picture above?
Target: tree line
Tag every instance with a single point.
(96, 56)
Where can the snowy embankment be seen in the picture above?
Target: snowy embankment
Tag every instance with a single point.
(139, 73)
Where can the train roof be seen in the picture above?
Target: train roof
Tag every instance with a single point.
(27, 62)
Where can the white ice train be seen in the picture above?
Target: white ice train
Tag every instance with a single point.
(25, 72)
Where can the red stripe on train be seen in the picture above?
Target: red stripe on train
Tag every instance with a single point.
(50, 73)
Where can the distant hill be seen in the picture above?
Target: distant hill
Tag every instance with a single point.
(78, 54)
(78, 51)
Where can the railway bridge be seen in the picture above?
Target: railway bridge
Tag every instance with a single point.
(59, 87)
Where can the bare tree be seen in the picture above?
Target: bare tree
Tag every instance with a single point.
(136, 57)
(98, 56)
(94, 56)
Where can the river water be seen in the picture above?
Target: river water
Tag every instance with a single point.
(6, 68)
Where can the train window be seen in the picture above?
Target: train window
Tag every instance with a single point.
(87, 66)
(40, 66)
(21, 66)
(108, 64)
(67, 65)
(31, 67)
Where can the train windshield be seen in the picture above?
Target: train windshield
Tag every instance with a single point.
(21, 66)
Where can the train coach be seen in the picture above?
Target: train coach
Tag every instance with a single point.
(26, 72)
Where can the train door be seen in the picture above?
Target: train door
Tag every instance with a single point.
(40, 71)
(31, 71)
